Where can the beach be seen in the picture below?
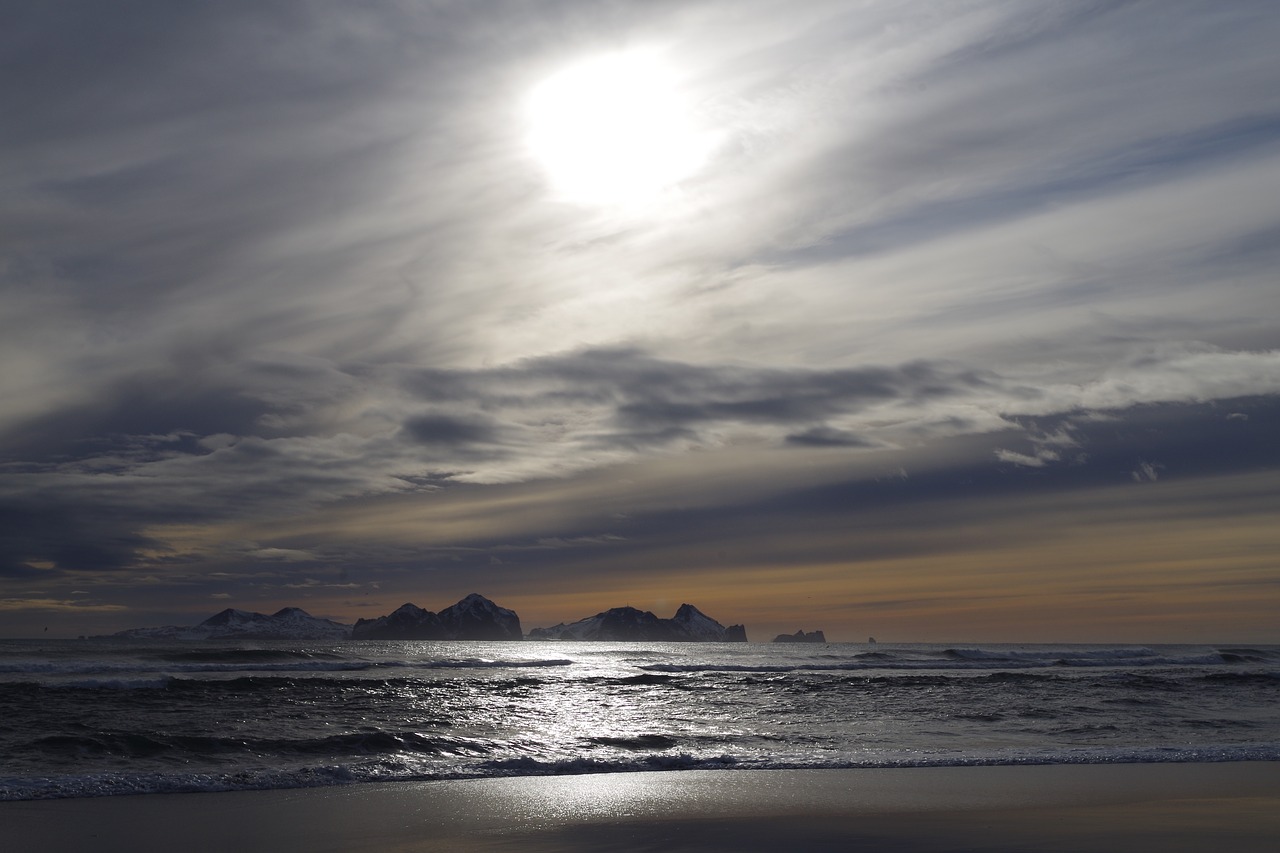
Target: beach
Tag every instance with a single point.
(1128, 807)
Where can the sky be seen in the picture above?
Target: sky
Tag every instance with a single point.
(929, 321)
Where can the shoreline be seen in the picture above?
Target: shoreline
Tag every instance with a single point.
(1171, 807)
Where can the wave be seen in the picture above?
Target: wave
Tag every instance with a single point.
(321, 664)
(336, 773)
(160, 683)
(698, 678)
(1125, 654)
(526, 766)
(1244, 655)
(1264, 679)
(133, 744)
(644, 679)
(244, 656)
(847, 666)
(319, 689)
(962, 659)
(134, 721)
(639, 742)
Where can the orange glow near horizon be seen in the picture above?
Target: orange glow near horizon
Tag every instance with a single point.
(1176, 561)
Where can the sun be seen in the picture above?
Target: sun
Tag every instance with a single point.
(616, 129)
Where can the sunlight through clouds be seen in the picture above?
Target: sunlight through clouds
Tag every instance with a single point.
(615, 130)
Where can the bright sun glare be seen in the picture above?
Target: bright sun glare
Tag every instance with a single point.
(615, 130)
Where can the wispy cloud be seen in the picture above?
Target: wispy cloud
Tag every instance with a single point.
(53, 605)
(281, 262)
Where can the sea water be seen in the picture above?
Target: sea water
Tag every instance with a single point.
(99, 717)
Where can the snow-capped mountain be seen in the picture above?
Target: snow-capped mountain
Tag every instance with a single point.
(477, 618)
(627, 623)
(618, 623)
(473, 618)
(407, 622)
(701, 627)
(289, 623)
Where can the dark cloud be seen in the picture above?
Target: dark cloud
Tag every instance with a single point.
(641, 395)
(167, 406)
(449, 431)
(828, 437)
(103, 479)
(44, 540)
(894, 513)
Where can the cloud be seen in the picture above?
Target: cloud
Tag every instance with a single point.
(1146, 472)
(1182, 372)
(1038, 461)
(267, 264)
(594, 406)
(284, 555)
(40, 535)
(828, 437)
(51, 605)
(562, 416)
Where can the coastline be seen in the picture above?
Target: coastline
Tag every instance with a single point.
(1171, 807)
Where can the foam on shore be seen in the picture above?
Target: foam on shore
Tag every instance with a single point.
(1175, 807)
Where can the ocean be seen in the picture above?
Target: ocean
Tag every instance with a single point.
(81, 718)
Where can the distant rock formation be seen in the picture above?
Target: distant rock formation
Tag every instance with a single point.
(689, 625)
(699, 627)
(801, 637)
(477, 618)
(408, 622)
(290, 623)
(473, 618)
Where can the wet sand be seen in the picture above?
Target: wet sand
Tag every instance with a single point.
(1131, 807)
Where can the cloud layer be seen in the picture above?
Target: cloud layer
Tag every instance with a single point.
(270, 264)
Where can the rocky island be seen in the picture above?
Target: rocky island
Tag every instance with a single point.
(473, 618)
(689, 625)
(289, 623)
(801, 637)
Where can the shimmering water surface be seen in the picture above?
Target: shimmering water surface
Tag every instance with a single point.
(93, 717)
